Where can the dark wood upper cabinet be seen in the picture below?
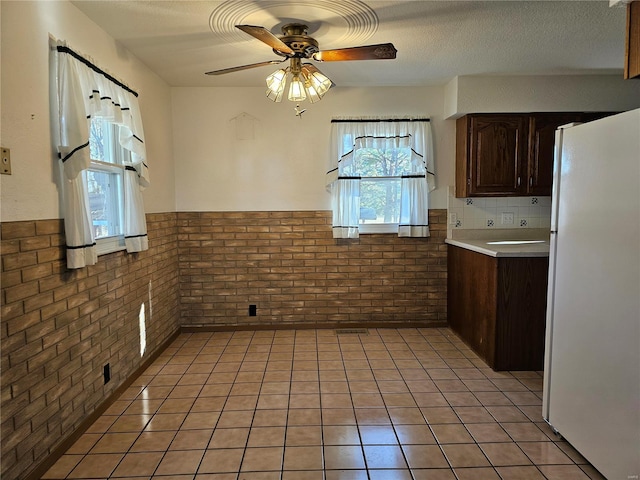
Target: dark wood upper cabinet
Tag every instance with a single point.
(497, 153)
(491, 153)
(542, 134)
(632, 46)
(509, 154)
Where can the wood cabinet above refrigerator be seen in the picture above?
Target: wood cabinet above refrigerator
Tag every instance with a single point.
(508, 154)
(632, 45)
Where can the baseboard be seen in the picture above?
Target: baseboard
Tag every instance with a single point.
(311, 326)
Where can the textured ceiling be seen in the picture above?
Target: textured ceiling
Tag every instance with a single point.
(436, 40)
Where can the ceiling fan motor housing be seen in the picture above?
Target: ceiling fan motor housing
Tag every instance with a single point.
(296, 38)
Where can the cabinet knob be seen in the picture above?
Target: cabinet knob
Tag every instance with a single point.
(531, 181)
(519, 181)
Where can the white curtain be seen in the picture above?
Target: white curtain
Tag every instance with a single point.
(135, 224)
(414, 207)
(85, 92)
(81, 249)
(345, 197)
(348, 135)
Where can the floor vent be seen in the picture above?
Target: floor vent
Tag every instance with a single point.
(352, 331)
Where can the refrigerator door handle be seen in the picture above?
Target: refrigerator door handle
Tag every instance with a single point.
(555, 189)
(548, 347)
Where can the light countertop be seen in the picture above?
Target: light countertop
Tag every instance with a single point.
(531, 242)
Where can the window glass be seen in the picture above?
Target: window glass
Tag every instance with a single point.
(104, 184)
(375, 162)
(379, 200)
(97, 140)
(104, 202)
(380, 170)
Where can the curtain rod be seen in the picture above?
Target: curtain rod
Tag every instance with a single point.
(360, 120)
(65, 49)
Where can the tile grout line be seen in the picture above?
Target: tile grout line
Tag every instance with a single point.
(210, 337)
(244, 450)
(458, 416)
(393, 425)
(364, 457)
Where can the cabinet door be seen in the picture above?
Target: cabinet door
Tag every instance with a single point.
(632, 45)
(521, 310)
(497, 154)
(542, 130)
(472, 280)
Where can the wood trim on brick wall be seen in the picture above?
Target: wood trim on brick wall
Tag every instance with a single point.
(310, 326)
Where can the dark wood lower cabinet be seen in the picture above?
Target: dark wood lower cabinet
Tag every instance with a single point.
(498, 305)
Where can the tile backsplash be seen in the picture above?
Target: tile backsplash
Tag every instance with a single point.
(497, 212)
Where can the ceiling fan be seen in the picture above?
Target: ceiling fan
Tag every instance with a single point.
(296, 45)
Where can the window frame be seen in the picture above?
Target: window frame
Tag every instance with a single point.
(116, 168)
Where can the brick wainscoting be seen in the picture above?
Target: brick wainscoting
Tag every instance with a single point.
(60, 327)
(288, 265)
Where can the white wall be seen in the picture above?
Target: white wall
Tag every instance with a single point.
(31, 193)
(283, 166)
(540, 93)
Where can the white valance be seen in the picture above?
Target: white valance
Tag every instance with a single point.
(350, 134)
(86, 92)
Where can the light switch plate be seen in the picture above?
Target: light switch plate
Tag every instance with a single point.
(6, 161)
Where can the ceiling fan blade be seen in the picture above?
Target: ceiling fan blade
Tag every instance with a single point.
(381, 51)
(244, 67)
(267, 37)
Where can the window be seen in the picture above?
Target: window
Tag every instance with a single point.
(380, 174)
(104, 183)
(380, 171)
(102, 159)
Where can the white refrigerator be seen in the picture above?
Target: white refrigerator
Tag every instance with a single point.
(592, 356)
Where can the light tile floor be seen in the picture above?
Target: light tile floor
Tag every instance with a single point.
(394, 404)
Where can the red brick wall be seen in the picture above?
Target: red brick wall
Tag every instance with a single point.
(59, 328)
(290, 267)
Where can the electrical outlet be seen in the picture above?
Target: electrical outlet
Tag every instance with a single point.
(507, 218)
(453, 218)
(253, 310)
(5, 168)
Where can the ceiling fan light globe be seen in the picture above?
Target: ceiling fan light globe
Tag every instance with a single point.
(315, 77)
(312, 93)
(276, 78)
(296, 90)
(321, 82)
(275, 96)
(275, 85)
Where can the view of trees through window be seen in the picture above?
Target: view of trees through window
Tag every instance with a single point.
(104, 184)
(381, 171)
